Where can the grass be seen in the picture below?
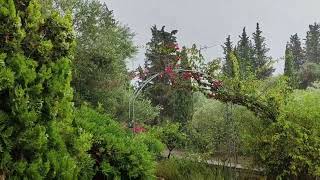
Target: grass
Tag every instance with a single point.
(184, 169)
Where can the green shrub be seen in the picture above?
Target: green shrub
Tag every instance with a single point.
(290, 147)
(152, 141)
(37, 138)
(117, 153)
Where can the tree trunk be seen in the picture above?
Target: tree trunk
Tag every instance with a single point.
(168, 155)
(2, 175)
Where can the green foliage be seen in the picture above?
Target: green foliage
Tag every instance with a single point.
(36, 112)
(161, 53)
(144, 111)
(290, 147)
(180, 169)
(227, 49)
(103, 46)
(211, 131)
(245, 53)
(252, 56)
(289, 69)
(262, 64)
(309, 73)
(297, 51)
(235, 69)
(172, 136)
(116, 153)
(152, 140)
(213, 67)
(312, 48)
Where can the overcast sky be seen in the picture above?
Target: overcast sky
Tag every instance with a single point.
(208, 22)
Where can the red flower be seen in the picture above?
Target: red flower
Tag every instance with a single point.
(138, 129)
(187, 75)
(176, 47)
(216, 84)
(168, 69)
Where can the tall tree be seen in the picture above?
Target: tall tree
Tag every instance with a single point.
(262, 63)
(182, 101)
(161, 56)
(297, 51)
(309, 72)
(103, 46)
(245, 54)
(313, 44)
(37, 139)
(289, 69)
(227, 49)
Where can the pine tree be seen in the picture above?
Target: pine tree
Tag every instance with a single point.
(289, 69)
(313, 44)
(161, 56)
(227, 49)
(244, 53)
(262, 63)
(297, 51)
(36, 111)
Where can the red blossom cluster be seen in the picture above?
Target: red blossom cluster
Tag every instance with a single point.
(138, 129)
(197, 76)
(174, 46)
(216, 84)
(187, 75)
(169, 71)
(177, 47)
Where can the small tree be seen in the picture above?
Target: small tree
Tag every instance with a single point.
(172, 136)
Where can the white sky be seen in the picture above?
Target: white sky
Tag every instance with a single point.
(208, 22)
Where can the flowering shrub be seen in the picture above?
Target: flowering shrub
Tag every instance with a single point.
(138, 129)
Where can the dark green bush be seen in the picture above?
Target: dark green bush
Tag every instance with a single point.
(117, 153)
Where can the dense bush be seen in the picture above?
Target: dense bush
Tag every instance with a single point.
(36, 113)
(291, 146)
(216, 125)
(116, 152)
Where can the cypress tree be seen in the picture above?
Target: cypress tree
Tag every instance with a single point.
(313, 44)
(36, 111)
(297, 51)
(227, 49)
(244, 53)
(262, 63)
(182, 99)
(289, 65)
(235, 68)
